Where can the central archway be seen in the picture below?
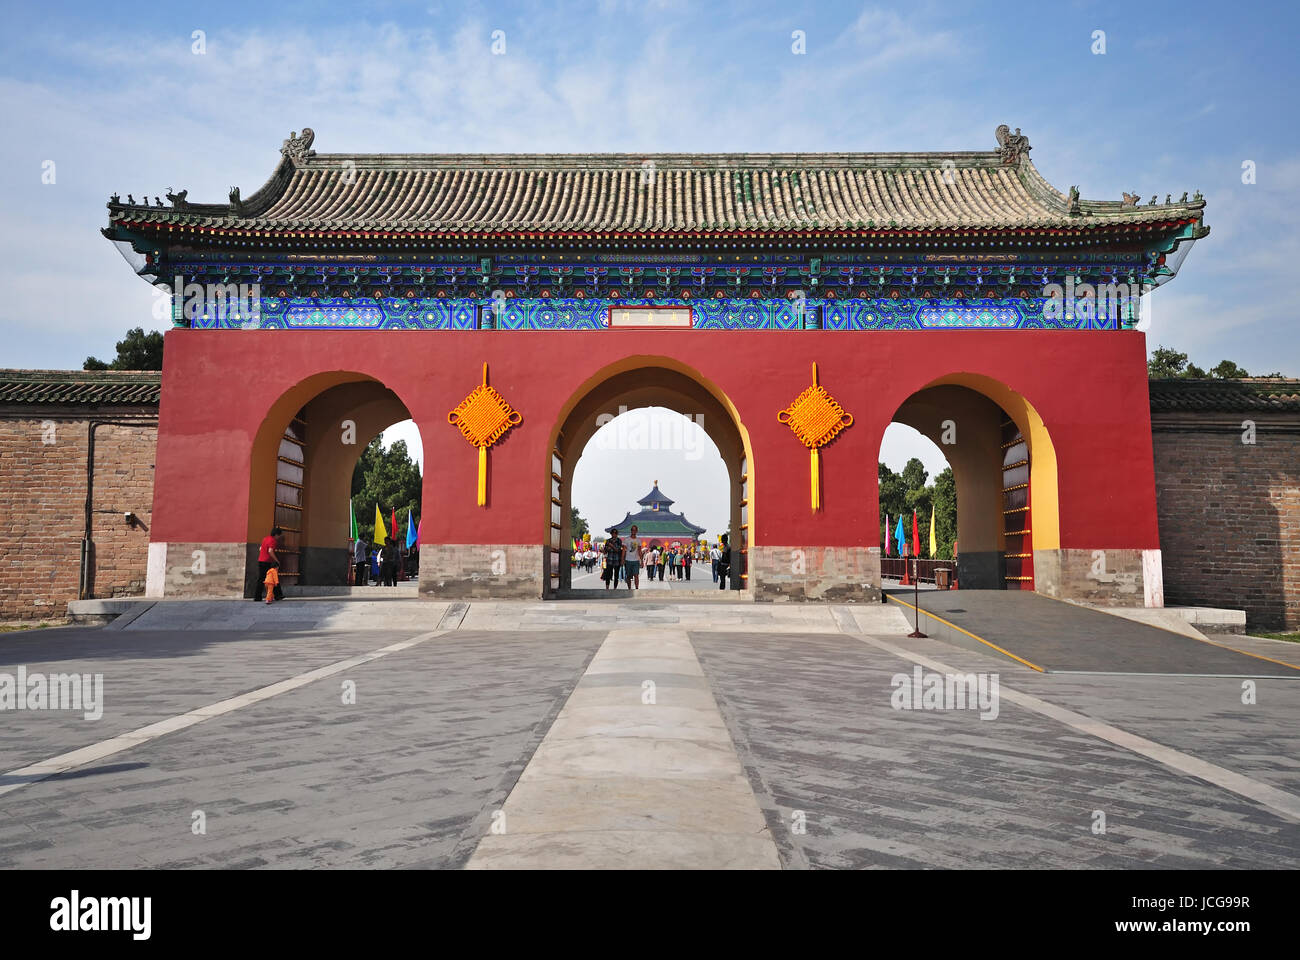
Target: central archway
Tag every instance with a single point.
(633, 383)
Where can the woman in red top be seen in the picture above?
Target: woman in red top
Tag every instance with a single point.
(266, 559)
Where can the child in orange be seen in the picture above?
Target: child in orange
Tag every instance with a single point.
(272, 581)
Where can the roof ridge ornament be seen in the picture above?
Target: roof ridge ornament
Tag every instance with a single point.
(1011, 146)
(298, 148)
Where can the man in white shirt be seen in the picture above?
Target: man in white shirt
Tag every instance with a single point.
(714, 556)
(632, 560)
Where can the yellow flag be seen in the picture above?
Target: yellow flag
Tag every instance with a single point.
(381, 535)
(934, 547)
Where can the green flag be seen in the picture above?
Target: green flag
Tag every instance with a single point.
(352, 516)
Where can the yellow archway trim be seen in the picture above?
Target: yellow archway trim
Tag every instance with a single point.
(1043, 479)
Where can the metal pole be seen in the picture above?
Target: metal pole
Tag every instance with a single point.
(916, 595)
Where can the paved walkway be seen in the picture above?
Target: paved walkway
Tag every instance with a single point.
(516, 734)
(637, 772)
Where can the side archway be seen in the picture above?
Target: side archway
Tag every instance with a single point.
(1004, 465)
(301, 467)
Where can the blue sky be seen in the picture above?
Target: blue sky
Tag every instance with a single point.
(116, 97)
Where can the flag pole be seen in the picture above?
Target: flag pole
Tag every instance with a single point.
(916, 582)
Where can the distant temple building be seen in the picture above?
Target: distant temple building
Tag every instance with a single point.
(656, 522)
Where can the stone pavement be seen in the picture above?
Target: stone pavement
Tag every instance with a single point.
(772, 741)
(637, 772)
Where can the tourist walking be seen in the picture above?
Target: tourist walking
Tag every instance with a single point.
(613, 551)
(362, 568)
(632, 560)
(715, 555)
(686, 563)
(724, 563)
(266, 559)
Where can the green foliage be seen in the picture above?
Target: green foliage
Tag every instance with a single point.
(1227, 370)
(387, 478)
(577, 523)
(1166, 363)
(901, 494)
(137, 351)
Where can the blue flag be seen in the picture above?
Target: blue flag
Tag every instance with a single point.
(900, 535)
(410, 530)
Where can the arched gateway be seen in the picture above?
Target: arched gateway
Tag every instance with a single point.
(800, 302)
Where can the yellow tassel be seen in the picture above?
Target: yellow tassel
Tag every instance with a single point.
(482, 476)
(815, 477)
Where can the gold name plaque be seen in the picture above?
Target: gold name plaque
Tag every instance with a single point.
(649, 316)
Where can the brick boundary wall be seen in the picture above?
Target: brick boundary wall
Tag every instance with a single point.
(43, 499)
(1229, 512)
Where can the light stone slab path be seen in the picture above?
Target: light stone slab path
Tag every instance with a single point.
(637, 772)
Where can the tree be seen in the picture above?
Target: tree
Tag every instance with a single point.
(901, 494)
(945, 513)
(577, 523)
(914, 474)
(1166, 363)
(389, 479)
(137, 351)
(1227, 370)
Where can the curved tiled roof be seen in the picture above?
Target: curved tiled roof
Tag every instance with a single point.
(78, 387)
(1225, 396)
(656, 194)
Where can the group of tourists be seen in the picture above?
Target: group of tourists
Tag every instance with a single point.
(623, 559)
(381, 564)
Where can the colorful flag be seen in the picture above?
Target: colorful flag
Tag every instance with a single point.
(900, 535)
(410, 529)
(352, 517)
(392, 526)
(916, 537)
(381, 535)
(934, 546)
(889, 541)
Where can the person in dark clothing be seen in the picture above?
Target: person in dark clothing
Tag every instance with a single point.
(388, 563)
(266, 559)
(724, 564)
(613, 551)
(360, 562)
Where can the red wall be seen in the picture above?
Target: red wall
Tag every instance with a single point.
(1089, 388)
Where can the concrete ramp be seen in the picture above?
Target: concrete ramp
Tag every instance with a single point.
(1057, 637)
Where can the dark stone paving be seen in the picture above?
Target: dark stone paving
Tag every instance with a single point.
(812, 719)
(408, 776)
(153, 675)
(1061, 636)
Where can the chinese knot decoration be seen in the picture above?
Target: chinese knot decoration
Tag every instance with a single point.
(816, 418)
(483, 418)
